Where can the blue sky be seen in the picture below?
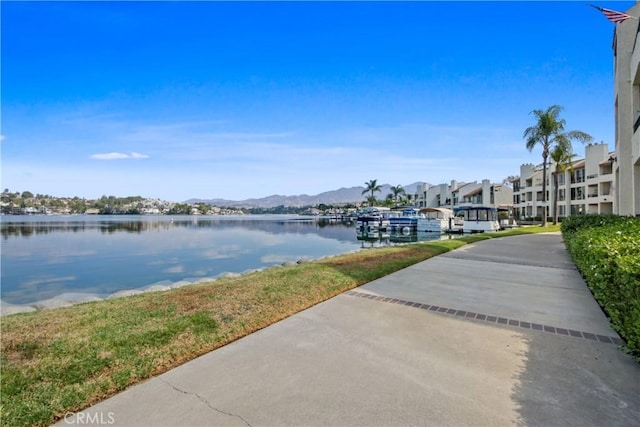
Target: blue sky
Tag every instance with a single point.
(180, 100)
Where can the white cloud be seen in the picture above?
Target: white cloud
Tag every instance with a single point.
(278, 258)
(135, 155)
(118, 156)
(45, 280)
(2, 137)
(175, 269)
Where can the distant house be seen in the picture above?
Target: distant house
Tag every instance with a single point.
(150, 211)
(464, 194)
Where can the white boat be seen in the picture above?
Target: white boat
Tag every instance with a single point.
(404, 221)
(372, 238)
(373, 219)
(479, 219)
(437, 220)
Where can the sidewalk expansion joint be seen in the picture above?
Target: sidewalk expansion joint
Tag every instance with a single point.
(203, 400)
(492, 319)
(567, 266)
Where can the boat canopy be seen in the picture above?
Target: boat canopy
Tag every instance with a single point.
(477, 208)
(375, 209)
(443, 211)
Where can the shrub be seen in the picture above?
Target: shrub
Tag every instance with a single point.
(606, 250)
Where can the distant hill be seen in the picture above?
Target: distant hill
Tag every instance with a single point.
(334, 197)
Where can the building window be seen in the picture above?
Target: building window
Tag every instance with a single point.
(577, 193)
(577, 209)
(577, 176)
(562, 195)
(561, 178)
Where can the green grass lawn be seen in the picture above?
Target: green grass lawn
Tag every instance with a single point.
(64, 360)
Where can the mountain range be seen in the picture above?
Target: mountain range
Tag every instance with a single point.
(334, 197)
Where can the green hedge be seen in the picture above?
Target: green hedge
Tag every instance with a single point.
(606, 250)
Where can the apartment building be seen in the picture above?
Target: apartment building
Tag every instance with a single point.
(585, 187)
(626, 165)
(461, 194)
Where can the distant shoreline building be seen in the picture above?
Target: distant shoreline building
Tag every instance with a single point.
(587, 186)
(460, 194)
(626, 159)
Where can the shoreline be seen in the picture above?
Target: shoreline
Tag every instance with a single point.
(70, 299)
(32, 285)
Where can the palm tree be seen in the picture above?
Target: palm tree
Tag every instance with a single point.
(388, 201)
(548, 132)
(562, 155)
(396, 192)
(371, 186)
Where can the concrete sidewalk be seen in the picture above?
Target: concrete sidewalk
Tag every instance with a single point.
(502, 332)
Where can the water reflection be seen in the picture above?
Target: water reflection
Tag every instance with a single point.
(43, 257)
(376, 239)
(25, 226)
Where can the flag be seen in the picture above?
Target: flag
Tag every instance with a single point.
(612, 15)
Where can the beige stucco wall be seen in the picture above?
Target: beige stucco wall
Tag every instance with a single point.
(627, 110)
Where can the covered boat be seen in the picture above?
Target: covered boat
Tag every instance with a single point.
(478, 219)
(406, 220)
(373, 219)
(436, 220)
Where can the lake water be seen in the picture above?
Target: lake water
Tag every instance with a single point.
(44, 257)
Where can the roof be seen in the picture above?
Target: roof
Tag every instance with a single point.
(579, 163)
(474, 192)
(463, 186)
(476, 208)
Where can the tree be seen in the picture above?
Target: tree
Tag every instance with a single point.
(562, 155)
(371, 186)
(389, 201)
(396, 192)
(548, 132)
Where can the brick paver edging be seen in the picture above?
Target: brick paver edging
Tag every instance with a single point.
(492, 319)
